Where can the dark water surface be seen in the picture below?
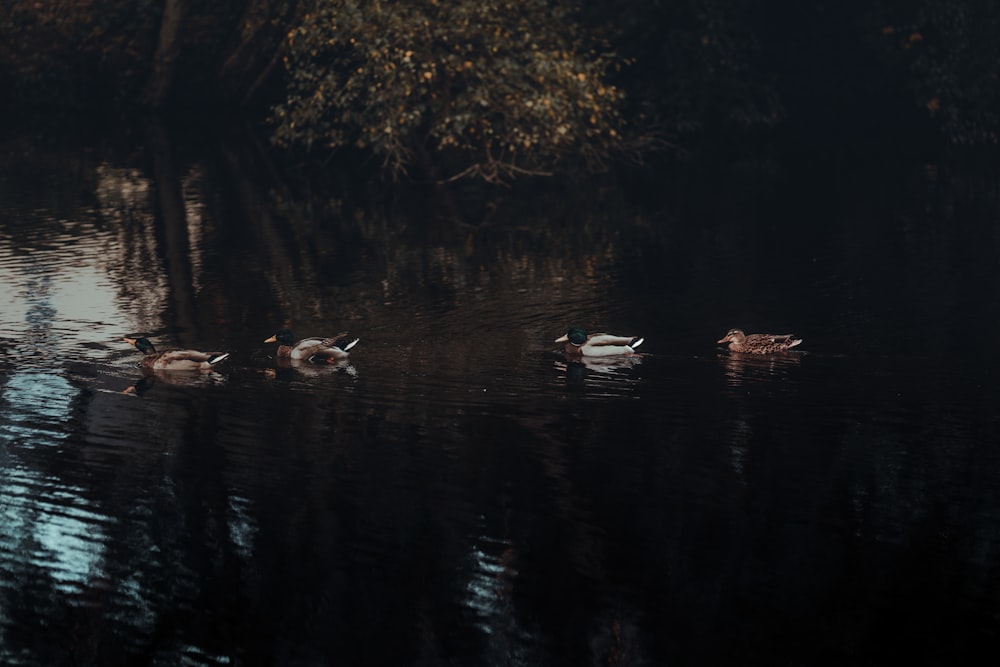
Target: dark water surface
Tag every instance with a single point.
(459, 494)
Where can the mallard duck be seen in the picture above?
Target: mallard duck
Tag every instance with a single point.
(329, 350)
(759, 343)
(581, 344)
(174, 360)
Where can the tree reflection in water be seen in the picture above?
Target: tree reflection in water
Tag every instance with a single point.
(458, 487)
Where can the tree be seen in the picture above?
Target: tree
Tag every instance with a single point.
(699, 64)
(489, 88)
(256, 49)
(167, 51)
(953, 56)
(69, 53)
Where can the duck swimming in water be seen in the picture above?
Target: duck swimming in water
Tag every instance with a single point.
(581, 344)
(174, 360)
(738, 341)
(328, 350)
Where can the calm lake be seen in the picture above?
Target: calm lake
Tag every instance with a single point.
(458, 493)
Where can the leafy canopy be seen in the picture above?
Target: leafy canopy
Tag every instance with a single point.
(488, 87)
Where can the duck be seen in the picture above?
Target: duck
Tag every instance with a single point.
(328, 350)
(174, 360)
(738, 341)
(581, 344)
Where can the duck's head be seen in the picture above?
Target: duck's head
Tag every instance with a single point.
(282, 337)
(734, 336)
(141, 344)
(576, 335)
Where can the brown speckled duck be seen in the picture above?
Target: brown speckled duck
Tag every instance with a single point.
(759, 343)
(581, 344)
(174, 360)
(327, 350)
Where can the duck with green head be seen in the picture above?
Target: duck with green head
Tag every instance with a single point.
(174, 360)
(581, 344)
(322, 350)
(737, 341)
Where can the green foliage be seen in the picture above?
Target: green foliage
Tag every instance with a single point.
(699, 65)
(99, 53)
(952, 52)
(491, 87)
(64, 50)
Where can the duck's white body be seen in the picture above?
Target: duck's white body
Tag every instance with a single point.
(598, 344)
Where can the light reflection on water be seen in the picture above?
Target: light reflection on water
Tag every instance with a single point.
(459, 485)
(69, 539)
(48, 524)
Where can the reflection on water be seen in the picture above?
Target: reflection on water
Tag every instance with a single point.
(601, 377)
(457, 492)
(290, 369)
(192, 379)
(44, 518)
(742, 370)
